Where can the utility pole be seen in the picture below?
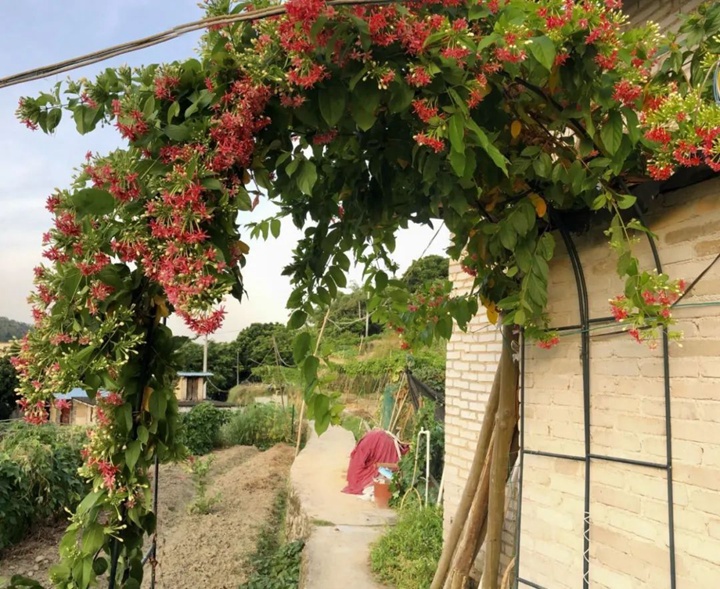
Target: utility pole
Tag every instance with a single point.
(205, 366)
(367, 318)
(237, 367)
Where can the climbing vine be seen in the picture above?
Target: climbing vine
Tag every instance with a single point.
(501, 117)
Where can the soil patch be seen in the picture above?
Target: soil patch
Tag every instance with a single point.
(193, 550)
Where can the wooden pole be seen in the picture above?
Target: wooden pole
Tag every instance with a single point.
(302, 405)
(506, 421)
(474, 531)
(473, 479)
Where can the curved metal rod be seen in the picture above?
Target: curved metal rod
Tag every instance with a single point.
(668, 415)
(585, 357)
(521, 458)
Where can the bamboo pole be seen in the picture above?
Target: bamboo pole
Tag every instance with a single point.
(302, 406)
(506, 420)
(473, 479)
(474, 531)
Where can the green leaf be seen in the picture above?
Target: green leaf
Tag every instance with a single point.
(307, 177)
(275, 228)
(625, 201)
(173, 111)
(444, 326)
(381, 280)
(92, 201)
(301, 346)
(100, 565)
(332, 105)
(93, 538)
(89, 502)
(498, 158)
(53, 119)
(158, 405)
(458, 162)
(543, 49)
(309, 368)
(456, 126)
(297, 319)
(133, 453)
(143, 434)
(177, 132)
(401, 95)
(612, 132)
(338, 276)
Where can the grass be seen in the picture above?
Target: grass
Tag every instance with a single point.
(407, 555)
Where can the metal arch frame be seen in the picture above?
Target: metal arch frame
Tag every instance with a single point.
(584, 327)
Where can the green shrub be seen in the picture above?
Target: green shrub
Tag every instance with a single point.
(38, 476)
(200, 428)
(407, 555)
(262, 425)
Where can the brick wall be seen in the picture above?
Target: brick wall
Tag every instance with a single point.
(628, 504)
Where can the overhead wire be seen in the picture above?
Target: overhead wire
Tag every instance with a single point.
(156, 39)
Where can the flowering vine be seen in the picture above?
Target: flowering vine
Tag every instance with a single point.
(500, 116)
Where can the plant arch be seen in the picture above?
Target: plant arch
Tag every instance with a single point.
(356, 120)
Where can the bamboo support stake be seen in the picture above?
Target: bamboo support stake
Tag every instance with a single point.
(506, 420)
(302, 406)
(476, 526)
(481, 450)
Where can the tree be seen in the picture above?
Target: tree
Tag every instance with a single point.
(8, 384)
(425, 271)
(256, 346)
(505, 118)
(10, 329)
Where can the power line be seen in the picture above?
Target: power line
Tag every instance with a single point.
(157, 39)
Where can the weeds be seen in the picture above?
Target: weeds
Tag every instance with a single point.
(200, 472)
(276, 565)
(260, 425)
(407, 555)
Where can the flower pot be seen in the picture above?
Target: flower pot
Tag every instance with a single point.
(381, 491)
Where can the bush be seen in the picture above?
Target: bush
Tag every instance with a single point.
(407, 555)
(38, 476)
(200, 428)
(260, 425)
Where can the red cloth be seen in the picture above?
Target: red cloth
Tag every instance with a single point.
(375, 446)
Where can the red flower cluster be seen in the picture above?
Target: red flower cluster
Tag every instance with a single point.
(627, 93)
(437, 145)
(164, 86)
(425, 110)
(549, 343)
(418, 77)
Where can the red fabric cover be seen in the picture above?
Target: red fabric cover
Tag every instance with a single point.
(375, 446)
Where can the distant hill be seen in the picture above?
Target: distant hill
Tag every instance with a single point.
(10, 329)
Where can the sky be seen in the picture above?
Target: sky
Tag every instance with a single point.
(41, 32)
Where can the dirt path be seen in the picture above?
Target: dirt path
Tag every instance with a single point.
(207, 551)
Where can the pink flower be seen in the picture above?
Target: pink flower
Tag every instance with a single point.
(62, 404)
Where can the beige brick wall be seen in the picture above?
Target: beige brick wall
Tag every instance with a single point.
(667, 13)
(628, 510)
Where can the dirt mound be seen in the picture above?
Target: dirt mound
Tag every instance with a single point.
(211, 550)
